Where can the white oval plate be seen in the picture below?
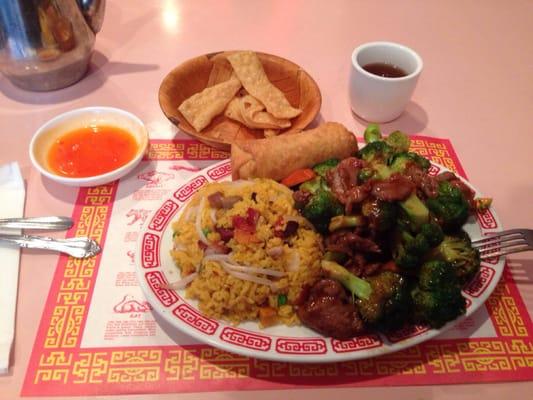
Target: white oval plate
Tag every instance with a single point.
(155, 266)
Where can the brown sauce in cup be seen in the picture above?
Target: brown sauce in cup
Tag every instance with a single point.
(385, 70)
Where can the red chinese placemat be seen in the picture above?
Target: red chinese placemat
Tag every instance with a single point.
(98, 335)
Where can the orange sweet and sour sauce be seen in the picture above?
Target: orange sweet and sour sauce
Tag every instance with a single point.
(92, 150)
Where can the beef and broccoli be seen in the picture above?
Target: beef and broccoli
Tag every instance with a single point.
(395, 251)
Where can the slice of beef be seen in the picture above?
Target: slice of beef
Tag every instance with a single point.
(301, 197)
(356, 264)
(356, 195)
(425, 183)
(343, 177)
(329, 310)
(395, 188)
(445, 176)
(348, 242)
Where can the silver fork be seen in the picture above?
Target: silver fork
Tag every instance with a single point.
(506, 242)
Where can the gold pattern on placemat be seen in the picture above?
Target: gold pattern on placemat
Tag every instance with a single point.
(181, 364)
(69, 312)
(219, 364)
(188, 150)
(504, 311)
(436, 152)
(486, 355)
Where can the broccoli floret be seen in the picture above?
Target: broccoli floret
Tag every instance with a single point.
(325, 166)
(399, 141)
(433, 234)
(459, 253)
(399, 161)
(402, 251)
(405, 260)
(381, 214)
(372, 133)
(418, 245)
(312, 185)
(358, 287)
(377, 154)
(381, 171)
(321, 207)
(437, 298)
(449, 207)
(416, 210)
(435, 308)
(378, 151)
(435, 274)
(346, 221)
(365, 174)
(410, 248)
(388, 305)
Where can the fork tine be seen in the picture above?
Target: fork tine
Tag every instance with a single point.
(506, 250)
(501, 244)
(498, 237)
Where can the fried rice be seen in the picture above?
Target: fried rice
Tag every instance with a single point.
(240, 278)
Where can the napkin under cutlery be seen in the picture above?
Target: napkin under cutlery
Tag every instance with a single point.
(12, 195)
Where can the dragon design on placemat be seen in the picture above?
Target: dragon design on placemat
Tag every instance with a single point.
(155, 178)
(137, 215)
(128, 304)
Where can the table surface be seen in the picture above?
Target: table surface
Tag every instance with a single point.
(476, 89)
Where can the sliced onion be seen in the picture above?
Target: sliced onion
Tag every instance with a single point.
(275, 252)
(253, 270)
(198, 223)
(217, 257)
(210, 251)
(182, 283)
(213, 215)
(251, 278)
(190, 214)
(179, 247)
(294, 261)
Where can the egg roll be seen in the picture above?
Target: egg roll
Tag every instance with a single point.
(278, 156)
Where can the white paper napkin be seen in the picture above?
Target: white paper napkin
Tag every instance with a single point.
(12, 195)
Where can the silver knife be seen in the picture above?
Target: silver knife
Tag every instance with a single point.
(78, 247)
(40, 223)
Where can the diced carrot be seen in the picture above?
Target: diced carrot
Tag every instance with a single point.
(245, 237)
(298, 176)
(267, 316)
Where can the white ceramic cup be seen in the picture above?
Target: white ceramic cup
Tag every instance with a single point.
(376, 98)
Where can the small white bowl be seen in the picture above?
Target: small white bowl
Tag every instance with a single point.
(47, 134)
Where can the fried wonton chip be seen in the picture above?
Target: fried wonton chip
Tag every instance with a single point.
(250, 112)
(201, 108)
(233, 110)
(250, 72)
(253, 113)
